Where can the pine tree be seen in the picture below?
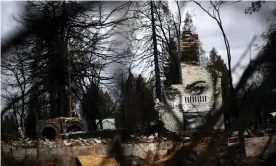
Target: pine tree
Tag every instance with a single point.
(171, 69)
(137, 105)
(96, 104)
(203, 60)
(215, 65)
(188, 23)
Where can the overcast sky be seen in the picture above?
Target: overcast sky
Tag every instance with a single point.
(239, 28)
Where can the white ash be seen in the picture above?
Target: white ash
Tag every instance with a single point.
(45, 143)
(28, 143)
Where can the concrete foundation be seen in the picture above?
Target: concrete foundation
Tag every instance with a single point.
(66, 156)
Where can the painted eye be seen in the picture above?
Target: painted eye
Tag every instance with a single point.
(171, 94)
(197, 89)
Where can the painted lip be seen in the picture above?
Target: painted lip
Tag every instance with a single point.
(195, 121)
(197, 107)
(192, 112)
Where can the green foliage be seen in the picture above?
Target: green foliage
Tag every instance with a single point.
(215, 65)
(171, 68)
(136, 108)
(97, 104)
(203, 60)
(188, 23)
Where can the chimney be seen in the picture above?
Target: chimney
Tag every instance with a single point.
(189, 42)
(189, 47)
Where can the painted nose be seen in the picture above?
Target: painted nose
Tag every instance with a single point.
(178, 104)
(184, 104)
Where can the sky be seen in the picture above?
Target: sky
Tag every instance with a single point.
(8, 10)
(239, 27)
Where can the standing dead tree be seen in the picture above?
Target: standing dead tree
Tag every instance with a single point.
(215, 14)
(170, 31)
(157, 28)
(16, 81)
(145, 40)
(155, 53)
(68, 55)
(248, 72)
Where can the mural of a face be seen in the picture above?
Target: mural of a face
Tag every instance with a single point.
(193, 100)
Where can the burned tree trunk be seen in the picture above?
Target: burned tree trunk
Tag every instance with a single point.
(155, 54)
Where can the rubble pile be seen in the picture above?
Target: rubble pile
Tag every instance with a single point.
(28, 143)
(147, 139)
(45, 143)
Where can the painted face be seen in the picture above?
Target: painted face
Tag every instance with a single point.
(194, 98)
